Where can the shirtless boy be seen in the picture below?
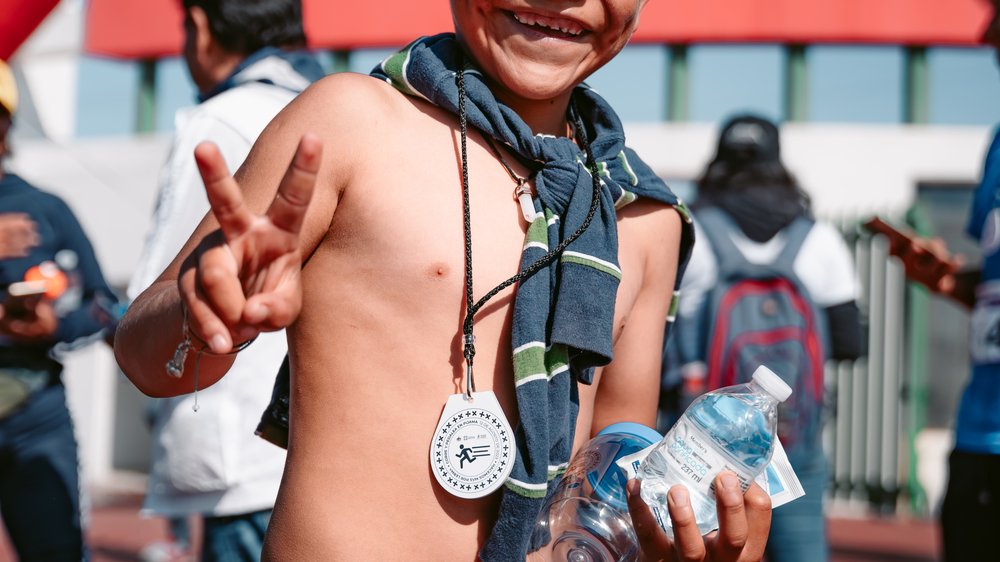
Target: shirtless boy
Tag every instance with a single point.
(361, 253)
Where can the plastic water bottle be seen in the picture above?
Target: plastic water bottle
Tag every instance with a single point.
(732, 428)
(586, 518)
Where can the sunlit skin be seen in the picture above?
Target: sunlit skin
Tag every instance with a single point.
(358, 248)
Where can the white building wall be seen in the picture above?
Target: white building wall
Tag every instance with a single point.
(848, 170)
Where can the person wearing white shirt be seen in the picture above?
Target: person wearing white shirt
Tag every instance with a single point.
(206, 458)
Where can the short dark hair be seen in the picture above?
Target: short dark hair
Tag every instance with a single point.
(246, 26)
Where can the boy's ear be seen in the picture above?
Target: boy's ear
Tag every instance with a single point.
(204, 41)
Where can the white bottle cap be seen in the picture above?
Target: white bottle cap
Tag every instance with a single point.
(772, 383)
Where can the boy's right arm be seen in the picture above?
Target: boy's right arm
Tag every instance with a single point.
(238, 274)
(238, 280)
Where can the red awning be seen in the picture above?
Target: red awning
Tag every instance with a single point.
(19, 19)
(152, 28)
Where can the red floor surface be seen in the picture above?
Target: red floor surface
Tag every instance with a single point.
(117, 534)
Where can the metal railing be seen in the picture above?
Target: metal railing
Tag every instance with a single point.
(875, 411)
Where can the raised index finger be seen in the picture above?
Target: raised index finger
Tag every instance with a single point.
(288, 209)
(223, 192)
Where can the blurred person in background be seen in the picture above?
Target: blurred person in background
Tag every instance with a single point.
(753, 223)
(54, 293)
(970, 513)
(245, 57)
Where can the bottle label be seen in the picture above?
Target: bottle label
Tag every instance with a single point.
(697, 461)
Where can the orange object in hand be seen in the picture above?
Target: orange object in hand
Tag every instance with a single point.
(55, 279)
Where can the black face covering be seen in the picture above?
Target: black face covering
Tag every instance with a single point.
(760, 211)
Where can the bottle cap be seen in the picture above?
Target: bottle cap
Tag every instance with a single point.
(772, 383)
(649, 435)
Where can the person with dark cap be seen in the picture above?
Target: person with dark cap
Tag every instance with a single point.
(757, 243)
(42, 307)
(247, 60)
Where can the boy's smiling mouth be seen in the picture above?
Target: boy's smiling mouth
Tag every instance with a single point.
(552, 26)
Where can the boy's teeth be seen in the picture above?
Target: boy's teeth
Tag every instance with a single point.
(563, 26)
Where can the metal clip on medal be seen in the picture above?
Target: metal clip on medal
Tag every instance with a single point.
(473, 450)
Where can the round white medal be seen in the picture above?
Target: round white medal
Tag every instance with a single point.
(473, 449)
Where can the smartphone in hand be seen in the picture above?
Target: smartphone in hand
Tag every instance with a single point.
(21, 297)
(26, 288)
(920, 260)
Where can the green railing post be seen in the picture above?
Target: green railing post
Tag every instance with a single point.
(796, 83)
(341, 60)
(145, 119)
(917, 392)
(677, 86)
(916, 99)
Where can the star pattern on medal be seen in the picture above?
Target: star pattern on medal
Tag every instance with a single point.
(483, 419)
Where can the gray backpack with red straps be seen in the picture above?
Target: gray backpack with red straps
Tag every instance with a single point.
(762, 314)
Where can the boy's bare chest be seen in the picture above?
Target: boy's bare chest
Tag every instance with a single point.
(409, 219)
(406, 218)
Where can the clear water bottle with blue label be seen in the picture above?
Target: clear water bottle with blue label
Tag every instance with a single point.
(586, 518)
(732, 428)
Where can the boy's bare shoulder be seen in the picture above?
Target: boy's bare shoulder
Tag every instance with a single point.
(347, 98)
(650, 224)
(650, 212)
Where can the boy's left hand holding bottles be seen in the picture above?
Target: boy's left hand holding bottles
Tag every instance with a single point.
(744, 522)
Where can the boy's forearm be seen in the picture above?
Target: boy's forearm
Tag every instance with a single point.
(147, 338)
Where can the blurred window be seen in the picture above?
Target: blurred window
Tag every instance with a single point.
(859, 84)
(635, 83)
(964, 86)
(107, 93)
(727, 79)
(174, 90)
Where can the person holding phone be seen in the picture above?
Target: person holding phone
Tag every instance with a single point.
(970, 513)
(54, 292)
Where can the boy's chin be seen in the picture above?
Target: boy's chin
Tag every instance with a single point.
(536, 85)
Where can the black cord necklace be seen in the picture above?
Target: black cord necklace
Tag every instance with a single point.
(471, 305)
